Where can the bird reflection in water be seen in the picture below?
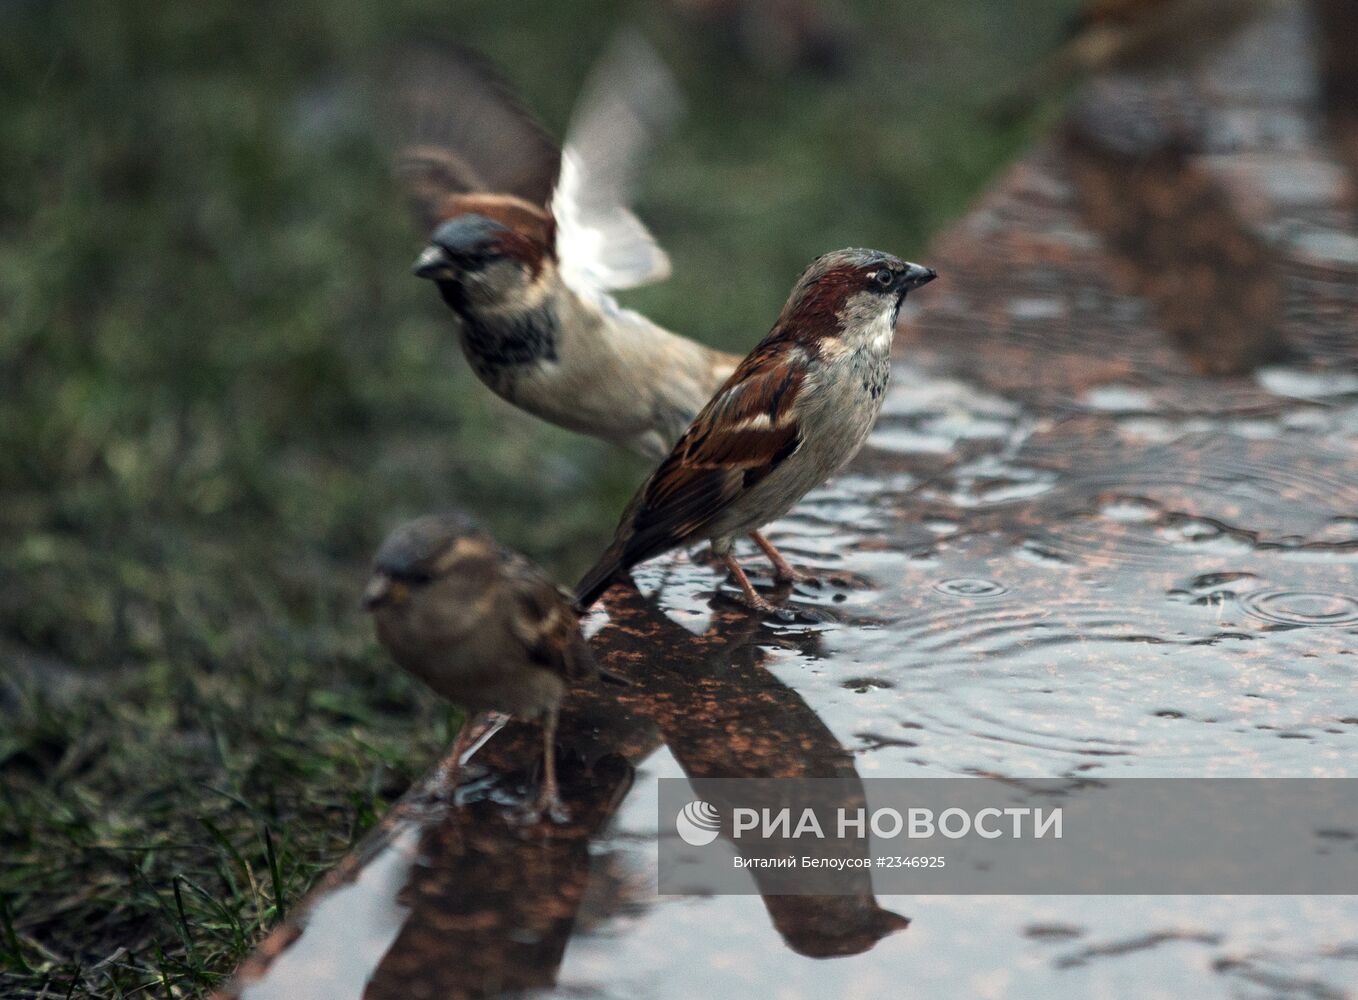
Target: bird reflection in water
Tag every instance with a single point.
(489, 904)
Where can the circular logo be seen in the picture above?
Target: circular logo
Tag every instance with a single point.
(698, 823)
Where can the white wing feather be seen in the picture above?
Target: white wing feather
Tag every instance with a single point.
(628, 103)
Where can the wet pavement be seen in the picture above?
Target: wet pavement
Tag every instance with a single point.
(1069, 552)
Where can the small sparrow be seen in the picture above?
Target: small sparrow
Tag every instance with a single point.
(798, 407)
(526, 242)
(481, 625)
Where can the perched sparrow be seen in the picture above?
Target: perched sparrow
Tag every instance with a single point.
(526, 241)
(481, 625)
(796, 409)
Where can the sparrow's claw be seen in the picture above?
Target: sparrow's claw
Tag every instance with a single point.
(750, 597)
(756, 603)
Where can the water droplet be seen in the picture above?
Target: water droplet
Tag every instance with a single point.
(1288, 607)
(970, 587)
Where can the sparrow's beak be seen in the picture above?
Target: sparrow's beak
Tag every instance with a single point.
(463, 243)
(434, 263)
(917, 275)
(382, 591)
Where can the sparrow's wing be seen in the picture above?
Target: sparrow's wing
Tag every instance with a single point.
(628, 102)
(461, 129)
(745, 432)
(542, 619)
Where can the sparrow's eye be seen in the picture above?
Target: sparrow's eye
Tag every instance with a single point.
(884, 278)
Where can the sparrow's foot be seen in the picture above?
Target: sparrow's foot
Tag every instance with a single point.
(760, 606)
(764, 606)
(750, 597)
(549, 802)
(783, 571)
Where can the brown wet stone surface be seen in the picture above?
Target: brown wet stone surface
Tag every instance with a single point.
(1067, 552)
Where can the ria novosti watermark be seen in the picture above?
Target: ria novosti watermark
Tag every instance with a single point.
(846, 836)
(953, 823)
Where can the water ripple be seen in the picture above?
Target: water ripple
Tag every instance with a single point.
(1301, 608)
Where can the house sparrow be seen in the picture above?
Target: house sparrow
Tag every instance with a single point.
(481, 625)
(798, 407)
(526, 241)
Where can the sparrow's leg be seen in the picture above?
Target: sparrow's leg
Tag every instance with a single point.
(752, 597)
(549, 796)
(472, 728)
(783, 571)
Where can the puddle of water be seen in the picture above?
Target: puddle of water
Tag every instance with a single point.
(348, 933)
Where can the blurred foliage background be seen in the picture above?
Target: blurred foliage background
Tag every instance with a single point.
(220, 385)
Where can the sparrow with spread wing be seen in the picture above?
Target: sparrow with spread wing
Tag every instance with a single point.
(527, 241)
(798, 407)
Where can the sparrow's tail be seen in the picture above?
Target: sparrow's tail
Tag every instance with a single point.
(599, 578)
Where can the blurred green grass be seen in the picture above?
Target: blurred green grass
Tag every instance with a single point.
(219, 386)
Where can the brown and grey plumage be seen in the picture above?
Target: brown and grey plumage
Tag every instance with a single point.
(798, 407)
(480, 624)
(527, 241)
